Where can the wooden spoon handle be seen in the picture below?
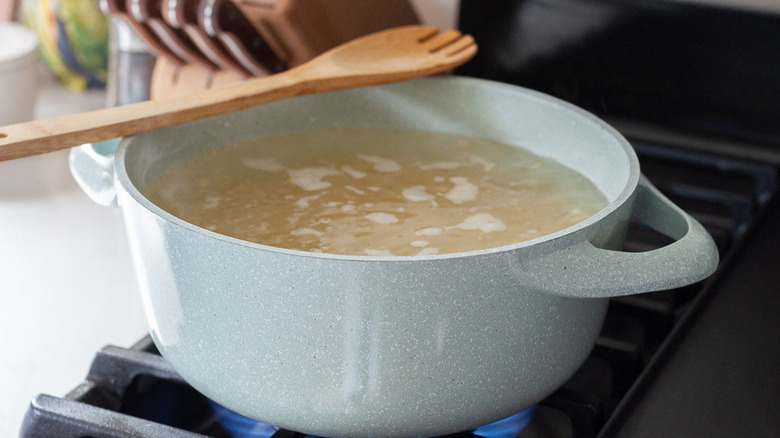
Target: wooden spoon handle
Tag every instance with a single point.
(42, 136)
(383, 57)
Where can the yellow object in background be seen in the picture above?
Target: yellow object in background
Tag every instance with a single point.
(73, 38)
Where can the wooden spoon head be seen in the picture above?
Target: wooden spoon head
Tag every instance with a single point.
(409, 51)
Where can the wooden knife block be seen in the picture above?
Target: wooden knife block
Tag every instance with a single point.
(297, 30)
(300, 29)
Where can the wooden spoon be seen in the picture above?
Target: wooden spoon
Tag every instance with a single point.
(387, 56)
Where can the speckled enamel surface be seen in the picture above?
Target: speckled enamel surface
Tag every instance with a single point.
(376, 346)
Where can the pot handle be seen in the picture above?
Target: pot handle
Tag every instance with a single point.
(92, 166)
(585, 271)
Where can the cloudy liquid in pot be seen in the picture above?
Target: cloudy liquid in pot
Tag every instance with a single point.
(376, 192)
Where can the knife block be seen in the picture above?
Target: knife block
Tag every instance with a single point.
(298, 30)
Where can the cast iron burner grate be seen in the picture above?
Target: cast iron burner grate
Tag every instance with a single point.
(133, 392)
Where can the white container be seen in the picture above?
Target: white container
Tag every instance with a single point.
(18, 73)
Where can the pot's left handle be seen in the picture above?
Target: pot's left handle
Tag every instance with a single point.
(585, 271)
(92, 166)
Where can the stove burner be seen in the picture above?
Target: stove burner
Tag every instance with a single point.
(509, 427)
(239, 426)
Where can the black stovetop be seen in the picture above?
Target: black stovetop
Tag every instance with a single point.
(718, 374)
(678, 76)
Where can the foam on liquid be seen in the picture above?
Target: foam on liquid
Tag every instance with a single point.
(376, 192)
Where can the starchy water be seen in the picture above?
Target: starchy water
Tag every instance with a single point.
(387, 192)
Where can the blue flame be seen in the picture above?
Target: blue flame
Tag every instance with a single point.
(239, 426)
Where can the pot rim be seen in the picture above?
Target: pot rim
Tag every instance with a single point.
(126, 184)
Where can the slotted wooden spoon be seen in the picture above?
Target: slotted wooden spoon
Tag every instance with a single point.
(387, 56)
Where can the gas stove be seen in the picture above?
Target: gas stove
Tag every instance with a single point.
(134, 392)
(694, 88)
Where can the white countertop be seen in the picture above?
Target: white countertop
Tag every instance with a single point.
(67, 286)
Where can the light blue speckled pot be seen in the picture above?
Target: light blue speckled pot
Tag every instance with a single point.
(360, 346)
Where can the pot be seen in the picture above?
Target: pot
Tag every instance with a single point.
(361, 346)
